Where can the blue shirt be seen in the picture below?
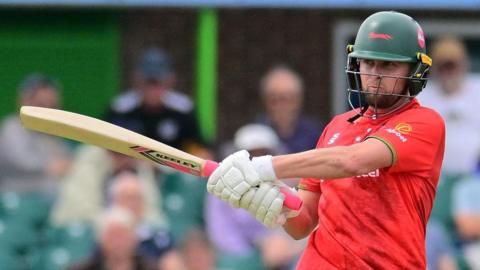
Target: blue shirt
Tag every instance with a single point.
(304, 136)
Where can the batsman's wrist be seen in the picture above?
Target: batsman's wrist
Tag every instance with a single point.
(264, 167)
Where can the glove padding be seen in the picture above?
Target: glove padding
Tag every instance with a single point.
(265, 203)
(233, 178)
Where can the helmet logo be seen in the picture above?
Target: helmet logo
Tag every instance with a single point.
(374, 35)
(421, 38)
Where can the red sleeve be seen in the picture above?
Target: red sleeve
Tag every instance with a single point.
(414, 138)
(310, 184)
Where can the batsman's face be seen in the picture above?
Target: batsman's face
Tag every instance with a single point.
(383, 77)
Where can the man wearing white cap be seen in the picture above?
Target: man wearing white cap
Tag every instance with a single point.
(242, 241)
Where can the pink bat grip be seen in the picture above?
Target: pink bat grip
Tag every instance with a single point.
(291, 201)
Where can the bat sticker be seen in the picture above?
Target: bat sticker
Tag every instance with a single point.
(163, 159)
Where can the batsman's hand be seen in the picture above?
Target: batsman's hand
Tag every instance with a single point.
(233, 178)
(265, 203)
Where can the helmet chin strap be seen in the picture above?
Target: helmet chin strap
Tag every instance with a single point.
(358, 115)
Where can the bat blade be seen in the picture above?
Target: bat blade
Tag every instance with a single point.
(94, 131)
(90, 130)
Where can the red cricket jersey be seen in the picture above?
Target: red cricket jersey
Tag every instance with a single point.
(378, 220)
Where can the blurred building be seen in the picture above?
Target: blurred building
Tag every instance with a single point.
(311, 40)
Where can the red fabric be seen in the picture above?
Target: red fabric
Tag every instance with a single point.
(378, 220)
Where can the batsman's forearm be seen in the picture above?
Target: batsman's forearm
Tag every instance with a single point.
(300, 226)
(324, 163)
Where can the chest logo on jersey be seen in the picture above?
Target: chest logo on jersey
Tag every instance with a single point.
(403, 128)
(333, 138)
(400, 130)
(375, 173)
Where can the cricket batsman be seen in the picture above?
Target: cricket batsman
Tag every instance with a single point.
(369, 186)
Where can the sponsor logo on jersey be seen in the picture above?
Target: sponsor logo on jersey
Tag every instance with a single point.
(403, 128)
(374, 35)
(396, 133)
(375, 173)
(333, 138)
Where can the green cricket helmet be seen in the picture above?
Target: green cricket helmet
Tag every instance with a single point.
(394, 37)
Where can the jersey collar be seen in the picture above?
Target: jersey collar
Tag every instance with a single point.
(368, 114)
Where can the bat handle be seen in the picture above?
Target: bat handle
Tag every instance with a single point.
(291, 200)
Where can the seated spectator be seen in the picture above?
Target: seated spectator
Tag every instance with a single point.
(31, 161)
(240, 240)
(183, 198)
(198, 251)
(84, 192)
(31, 167)
(117, 241)
(282, 92)
(154, 109)
(153, 64)
(154, 243)
(439, 248)
(466, 213)
(452, 91)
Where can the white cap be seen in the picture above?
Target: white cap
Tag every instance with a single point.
(256, 136)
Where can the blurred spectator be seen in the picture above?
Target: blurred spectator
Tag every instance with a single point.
(31, 161)
(240, 240)
(160, 198)
(466, 212)
(154, 64)
(117, 241)
(198, 251)
(183, 204)
(439, 248)
(85, 189)
(452, 91)
(183, 201)
(154, 109)
(154, 243)
(31, 166)
(282, 92)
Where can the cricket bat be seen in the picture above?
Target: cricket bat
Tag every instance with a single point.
(90, 130)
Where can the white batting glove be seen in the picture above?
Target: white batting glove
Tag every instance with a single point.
(264, 167)
(233, 178)
(265, 203)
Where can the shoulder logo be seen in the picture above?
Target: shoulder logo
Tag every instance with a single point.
(333, 138)
(403, 128)
(374, 35)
